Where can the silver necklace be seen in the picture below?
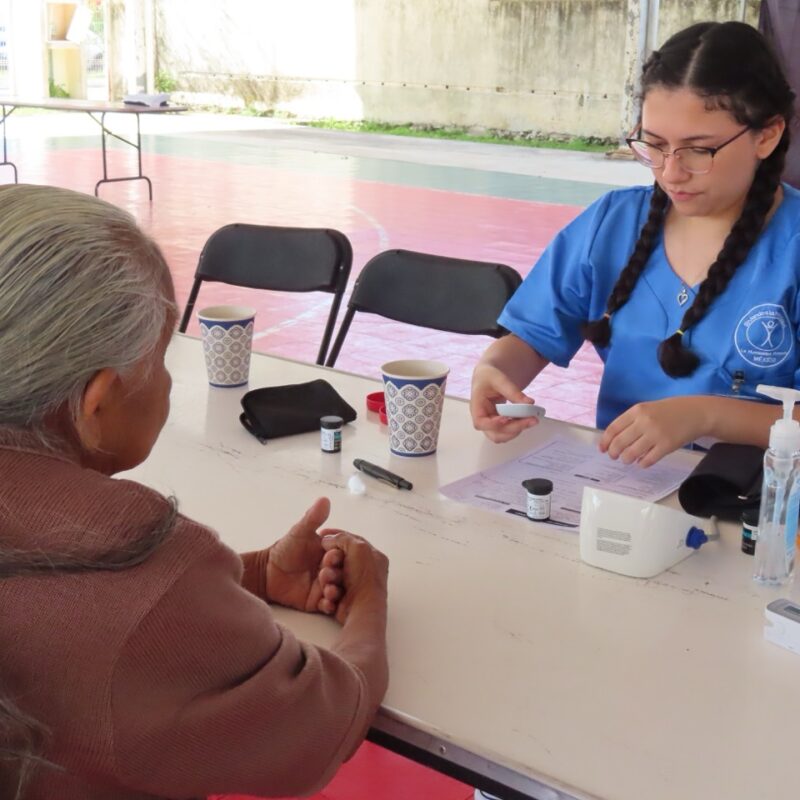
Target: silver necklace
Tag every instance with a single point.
(683, 296)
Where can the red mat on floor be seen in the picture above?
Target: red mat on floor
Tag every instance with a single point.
(376, 774)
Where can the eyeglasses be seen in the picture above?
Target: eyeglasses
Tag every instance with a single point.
(697, 160)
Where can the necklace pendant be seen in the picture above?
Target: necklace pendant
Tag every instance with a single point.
(683, 296)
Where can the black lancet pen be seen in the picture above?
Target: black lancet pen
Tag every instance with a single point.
(374, 471)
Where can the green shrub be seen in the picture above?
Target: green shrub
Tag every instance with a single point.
(56, 89)
(165, 82)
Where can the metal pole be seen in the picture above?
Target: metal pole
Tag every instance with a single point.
(150, 46)
(635, 43)
(653, 8)
(742, 10)
(641, 38)
(129, 46)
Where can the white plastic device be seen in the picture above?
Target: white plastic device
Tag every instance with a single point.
(520, 410)
(632, 537)
(783, 624)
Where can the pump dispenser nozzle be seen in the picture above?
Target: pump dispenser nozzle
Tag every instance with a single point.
(784, 436)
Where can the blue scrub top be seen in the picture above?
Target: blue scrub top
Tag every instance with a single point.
(748, 335)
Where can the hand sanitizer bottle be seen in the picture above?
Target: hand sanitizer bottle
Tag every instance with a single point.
(780, 495)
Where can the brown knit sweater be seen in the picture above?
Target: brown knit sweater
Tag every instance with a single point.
(167, 679)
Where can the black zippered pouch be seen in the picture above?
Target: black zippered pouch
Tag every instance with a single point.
(725, 483)
(276, 411)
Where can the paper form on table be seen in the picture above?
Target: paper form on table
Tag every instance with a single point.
(570, 466)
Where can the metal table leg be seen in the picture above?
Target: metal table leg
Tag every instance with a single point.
(137, 145)
(7, 111)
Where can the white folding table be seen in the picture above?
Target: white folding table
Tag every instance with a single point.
(513, 665)
(97, 110)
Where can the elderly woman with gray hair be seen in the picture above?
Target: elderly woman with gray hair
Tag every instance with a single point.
(138, 655)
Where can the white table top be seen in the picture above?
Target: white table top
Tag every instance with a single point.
(90, 106)
(501, 641)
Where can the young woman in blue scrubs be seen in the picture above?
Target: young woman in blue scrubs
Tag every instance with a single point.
(690, 288)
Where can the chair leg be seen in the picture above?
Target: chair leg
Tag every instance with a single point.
(337, 345)
(187, 314)
(326, 336)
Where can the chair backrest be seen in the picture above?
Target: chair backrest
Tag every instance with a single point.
(446, 294)
(276, 258)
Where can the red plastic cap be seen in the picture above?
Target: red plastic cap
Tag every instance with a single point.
(375, 400)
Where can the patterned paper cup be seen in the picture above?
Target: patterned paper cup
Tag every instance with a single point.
(414, 399)
(227, 333)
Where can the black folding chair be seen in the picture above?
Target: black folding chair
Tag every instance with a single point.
(280, 259)
(446, 294)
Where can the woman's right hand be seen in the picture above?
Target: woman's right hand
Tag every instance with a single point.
(365, 572)
(361, 610)
(491, 386)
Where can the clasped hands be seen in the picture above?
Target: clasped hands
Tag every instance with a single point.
(313, 569)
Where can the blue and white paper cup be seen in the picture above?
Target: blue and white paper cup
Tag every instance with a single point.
(414, 392)
(227, 334)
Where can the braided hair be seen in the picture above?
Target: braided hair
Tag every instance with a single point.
(733, 68)
(599, 331)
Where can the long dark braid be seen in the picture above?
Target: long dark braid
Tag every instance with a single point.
(675, 358)
(598, 331)
(733, 68)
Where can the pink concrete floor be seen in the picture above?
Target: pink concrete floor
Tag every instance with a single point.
(193, 197)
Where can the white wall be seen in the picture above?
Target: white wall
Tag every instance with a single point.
(26, 54)
(554, 66)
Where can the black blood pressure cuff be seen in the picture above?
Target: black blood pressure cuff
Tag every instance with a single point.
(295, 408)
(725, 483)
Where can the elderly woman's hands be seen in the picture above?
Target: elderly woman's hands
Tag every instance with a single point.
(324, 570)
(337, 573)
(364, 573)
(300, 573)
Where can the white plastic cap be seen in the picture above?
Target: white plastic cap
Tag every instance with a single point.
(784, 435)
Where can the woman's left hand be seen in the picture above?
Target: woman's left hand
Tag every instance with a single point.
(646, 432)
(300, 573)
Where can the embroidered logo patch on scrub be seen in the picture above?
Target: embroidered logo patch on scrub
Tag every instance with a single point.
(763, 336)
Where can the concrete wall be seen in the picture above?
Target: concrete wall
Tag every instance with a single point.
(509, 64)
(553, 66)
(677, 14)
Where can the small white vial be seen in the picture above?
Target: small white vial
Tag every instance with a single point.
(540, 491)
(330, 430)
